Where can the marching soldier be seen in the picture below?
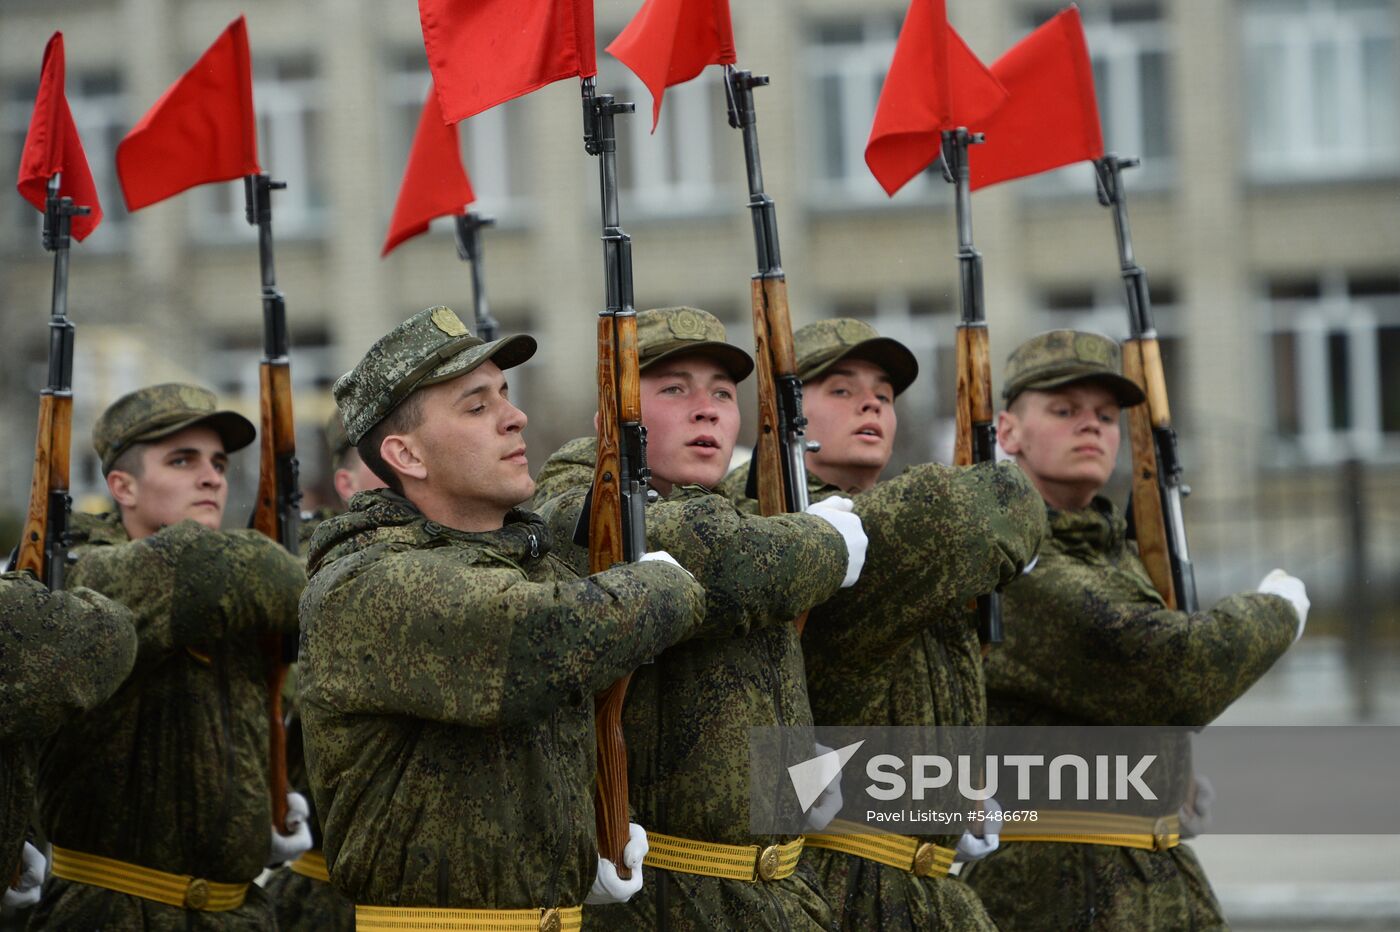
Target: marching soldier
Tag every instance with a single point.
(1089, 641)
(687, 716)
(62, 654)
(899, 648)
(157, 801)
(449, 658)
(349, 475)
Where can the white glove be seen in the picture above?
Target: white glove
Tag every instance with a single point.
(286, 847)
(25, 893)
(840, 513)
(607, 886)
(828, 804)
(1195, 812)
(1291, 588)
(661, 556)
(976, 847)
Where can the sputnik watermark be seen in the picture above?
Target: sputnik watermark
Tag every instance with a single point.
(1114, 777)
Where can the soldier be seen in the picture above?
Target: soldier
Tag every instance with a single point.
(62, 654)
(449, 659)
(349, 475)
(687, 716)
(1089, 641)
(157, 801)
(900, 648)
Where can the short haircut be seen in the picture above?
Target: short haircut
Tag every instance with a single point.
(406, 417)
(132, 460)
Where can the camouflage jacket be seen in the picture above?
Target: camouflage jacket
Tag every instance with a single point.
(62, 653)
(171, 772)
(687, 716)
(446, 696)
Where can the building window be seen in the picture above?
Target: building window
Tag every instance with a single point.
(1321, 81)
(289, 99)
(1335, 347)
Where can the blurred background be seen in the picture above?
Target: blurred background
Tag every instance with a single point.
(1266, 212)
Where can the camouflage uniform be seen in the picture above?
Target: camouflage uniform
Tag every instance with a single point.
(447, 678)
(1089, 641)
(63, 653)
(171, 772)
(687, 715)
(900, 647)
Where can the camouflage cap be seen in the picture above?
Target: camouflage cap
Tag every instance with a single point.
(821, 345)
(1060, 357)
(337, 442)
(430, 347)
(160, 410)
(663, 332)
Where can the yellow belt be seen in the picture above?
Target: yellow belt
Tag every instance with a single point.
(312, 864)
(402, 919)
(898, 851)
(732, 862)
(179, 890)
(1099, 828)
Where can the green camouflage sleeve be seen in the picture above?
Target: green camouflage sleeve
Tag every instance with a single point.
(426, 635)
(1100, 646)
(939, 537)
(188, 585)
(62, 653)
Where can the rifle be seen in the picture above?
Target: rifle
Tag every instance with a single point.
(976, 431)
(1157, 487)
(469, 249)
(778, 470)
(43, 548)
(615, 508)
(277, 508)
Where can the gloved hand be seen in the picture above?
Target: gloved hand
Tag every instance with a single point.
(286, 847)
(828, 804)
(25, 893)
(976, 847)
(1291, 588)
(610, 888)
(840, 513)
(1195, 812)
(661, 556)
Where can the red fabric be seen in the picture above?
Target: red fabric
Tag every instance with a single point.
(1052, 118)
(201, 130)
(671, 41)
(935, 82)
(52, 145)
(434, 182)
(485, 52)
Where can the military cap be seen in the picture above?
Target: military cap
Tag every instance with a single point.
(430, 347)
(336, 440)
(821, 345)
(664, 332)
(160, 410)
(1060, 357)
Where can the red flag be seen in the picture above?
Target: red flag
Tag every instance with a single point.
(53, 146)
(434, 182)
(201, 130)
(1052, 118)
(671, 41)
(935, 83)
(485, 52)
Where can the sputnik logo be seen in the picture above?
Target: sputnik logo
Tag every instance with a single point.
(811, 777)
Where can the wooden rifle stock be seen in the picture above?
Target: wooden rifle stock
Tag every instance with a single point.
(52, 445)
(1149, 521)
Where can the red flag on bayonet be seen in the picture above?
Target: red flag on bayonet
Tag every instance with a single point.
(434, 182)
(1052, 117)
(671, 41)
(52, 145)
(935, 82)
(485, 52)
(201, 130)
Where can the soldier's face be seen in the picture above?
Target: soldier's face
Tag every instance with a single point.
(183, 476)
(690, 408)
(1066, 440)
(471, 441)
(850, 412)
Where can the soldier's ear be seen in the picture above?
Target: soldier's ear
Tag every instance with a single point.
(1009, 432)
(402, 457)
(124, 487)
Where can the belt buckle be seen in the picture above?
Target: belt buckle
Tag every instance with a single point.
(1161, 834)
(197, 893)
(550, 920)
(923, 858)
(768, 863)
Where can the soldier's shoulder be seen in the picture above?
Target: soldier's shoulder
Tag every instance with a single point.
(568, 469)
